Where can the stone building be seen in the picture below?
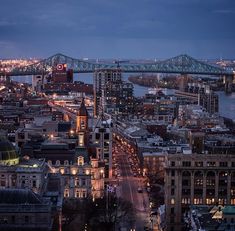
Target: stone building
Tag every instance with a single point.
(197, 179)
(24, 173)
(22, 209)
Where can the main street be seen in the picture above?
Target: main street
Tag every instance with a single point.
(131, 187)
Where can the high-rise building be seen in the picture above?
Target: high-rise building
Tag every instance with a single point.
(210, 101)
(111, 94)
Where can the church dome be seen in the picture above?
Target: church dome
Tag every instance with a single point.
(8, 155)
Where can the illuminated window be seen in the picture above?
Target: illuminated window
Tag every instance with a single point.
(222, 201)
(233, 201)
(66, 193)
(197, 201)
(210, 201)
(185, 200)
(80, 160)
(77, 193)
(172, 201)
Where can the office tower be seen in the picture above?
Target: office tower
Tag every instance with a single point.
(111, 94)
(210, 101)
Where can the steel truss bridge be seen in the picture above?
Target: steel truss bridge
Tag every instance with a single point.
(182, 64)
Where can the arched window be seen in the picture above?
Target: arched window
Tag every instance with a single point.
(80, 160)
(210, 174)
(186, 174)
(198, 174)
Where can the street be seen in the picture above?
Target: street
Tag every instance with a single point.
(132, 189)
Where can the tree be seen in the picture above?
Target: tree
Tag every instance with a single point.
(108, 211)
(99, 215)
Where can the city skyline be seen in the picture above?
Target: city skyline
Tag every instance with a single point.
(114, 29)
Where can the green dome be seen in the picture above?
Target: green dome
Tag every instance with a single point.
(8, 155)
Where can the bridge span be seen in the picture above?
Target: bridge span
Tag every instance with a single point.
(182, 64)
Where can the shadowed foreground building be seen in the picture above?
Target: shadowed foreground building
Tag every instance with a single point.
(24, 210)
(197, 179)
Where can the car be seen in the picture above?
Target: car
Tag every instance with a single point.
(135, 175)
(139, 190)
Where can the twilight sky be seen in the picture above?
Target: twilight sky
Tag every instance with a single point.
(117, 28)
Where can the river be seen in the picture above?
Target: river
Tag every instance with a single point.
(226, 102)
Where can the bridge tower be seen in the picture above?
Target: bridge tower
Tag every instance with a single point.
(82, 124)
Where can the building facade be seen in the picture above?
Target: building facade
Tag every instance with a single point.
(198, 179)
(111, 93)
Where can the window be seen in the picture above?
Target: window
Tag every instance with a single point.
(210, 201)
(172, 210)
(211, 164)
(232, 192)
(172, 172)
(23, 183)
(106, 136)
(83, 182)
(2, 183)
(26, 219)
(210, 192)
(185, 191)
(172, 201)
(172, 191)
(84, 194)
(198, 182)
(197, 201)
(172, 182)
(172, 163)
(210, 182)
(198, 191)
(185, 201)
(185, 182)
(77, 193)
(80, 160)
(66, 193)
(223, 164)
(186, 163)
(199, 164)
(34, 183)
